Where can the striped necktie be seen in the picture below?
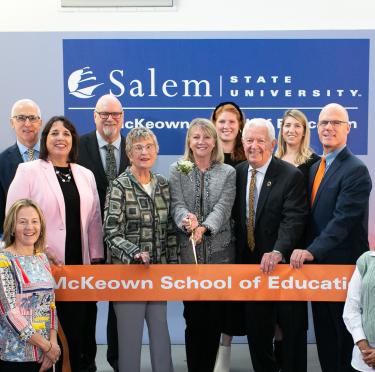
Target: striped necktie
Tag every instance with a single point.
(30, 154)
(251, 220)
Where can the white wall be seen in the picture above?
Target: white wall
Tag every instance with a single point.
(193, 15)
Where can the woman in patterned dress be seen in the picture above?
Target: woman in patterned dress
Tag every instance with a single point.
(28, 323)
(138, 229)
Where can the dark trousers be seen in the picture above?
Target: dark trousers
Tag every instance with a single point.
(261, 318)
(202, 334)
(293, 320)
(20, 366)
(72, 317)
(112, 338)
(333, 341)
(89, 345)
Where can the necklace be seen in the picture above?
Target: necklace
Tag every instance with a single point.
(64, 177)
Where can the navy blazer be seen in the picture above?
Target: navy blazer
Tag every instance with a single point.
(337, 232)
(281, 211)
(89, 157)
(9, 160)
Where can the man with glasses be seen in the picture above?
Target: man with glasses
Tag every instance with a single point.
(337, 232)
(26, 122)
(103, 152)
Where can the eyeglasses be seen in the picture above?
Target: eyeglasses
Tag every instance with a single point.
(139, 148)
(23, 118)
(334, 123)
(105, 115)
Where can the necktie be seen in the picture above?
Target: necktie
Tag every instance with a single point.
(30, 154)
(251, 220)
(110, 163)
(318, 179)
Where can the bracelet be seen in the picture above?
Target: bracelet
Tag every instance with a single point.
(49, 348)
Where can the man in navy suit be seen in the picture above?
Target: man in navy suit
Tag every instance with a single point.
(280, 208)
(108, 118)
(337, 232)
(26, 122)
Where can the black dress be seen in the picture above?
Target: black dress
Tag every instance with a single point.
(305, 167)
(72, 314)
(233, 312)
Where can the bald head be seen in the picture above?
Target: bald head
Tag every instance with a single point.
(108, 117)
(26, 121)
(333, 127)
(337, 108)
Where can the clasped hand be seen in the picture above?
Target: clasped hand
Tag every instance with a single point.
(368, 356)
(190, 222)
(50, 358)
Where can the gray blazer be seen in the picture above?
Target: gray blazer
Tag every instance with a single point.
(210, 196)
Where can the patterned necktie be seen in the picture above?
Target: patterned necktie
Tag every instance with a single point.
(110, 163)
(251, 220)
(318, 179)
(30, 154)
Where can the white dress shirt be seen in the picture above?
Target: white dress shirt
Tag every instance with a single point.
(353, 320)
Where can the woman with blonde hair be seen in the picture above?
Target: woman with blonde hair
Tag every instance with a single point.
(28, 322)
(294, 141)
(291, 338)
(203, 189)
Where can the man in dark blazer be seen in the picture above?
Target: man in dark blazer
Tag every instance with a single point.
(337, 229)
(26, 122)
(280, 216)
(109, 119)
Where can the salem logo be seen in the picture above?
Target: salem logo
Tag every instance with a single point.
(149, 84)
(79, 90)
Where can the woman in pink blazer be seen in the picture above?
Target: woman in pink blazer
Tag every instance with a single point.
(66, 192)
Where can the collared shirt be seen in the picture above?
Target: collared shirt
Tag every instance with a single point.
(331, 156)
(353, 319)
(261, 172)
(102, 143)
(23, 151)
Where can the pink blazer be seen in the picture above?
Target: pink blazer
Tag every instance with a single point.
(37, 180)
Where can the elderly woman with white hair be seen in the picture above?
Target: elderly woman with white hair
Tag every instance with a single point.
(202, 195)
(138, 229)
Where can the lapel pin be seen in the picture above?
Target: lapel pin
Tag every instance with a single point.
(269, 183)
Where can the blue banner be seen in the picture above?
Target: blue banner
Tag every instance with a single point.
(164, 83)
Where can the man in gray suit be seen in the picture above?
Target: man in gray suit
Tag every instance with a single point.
(26, 121)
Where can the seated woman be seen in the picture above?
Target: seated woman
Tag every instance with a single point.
(359, 313)
(203, 190)
(138, 229)
(28, 322)
(66, 193)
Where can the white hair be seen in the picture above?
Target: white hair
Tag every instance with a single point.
(25, 101)
(259, 122)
